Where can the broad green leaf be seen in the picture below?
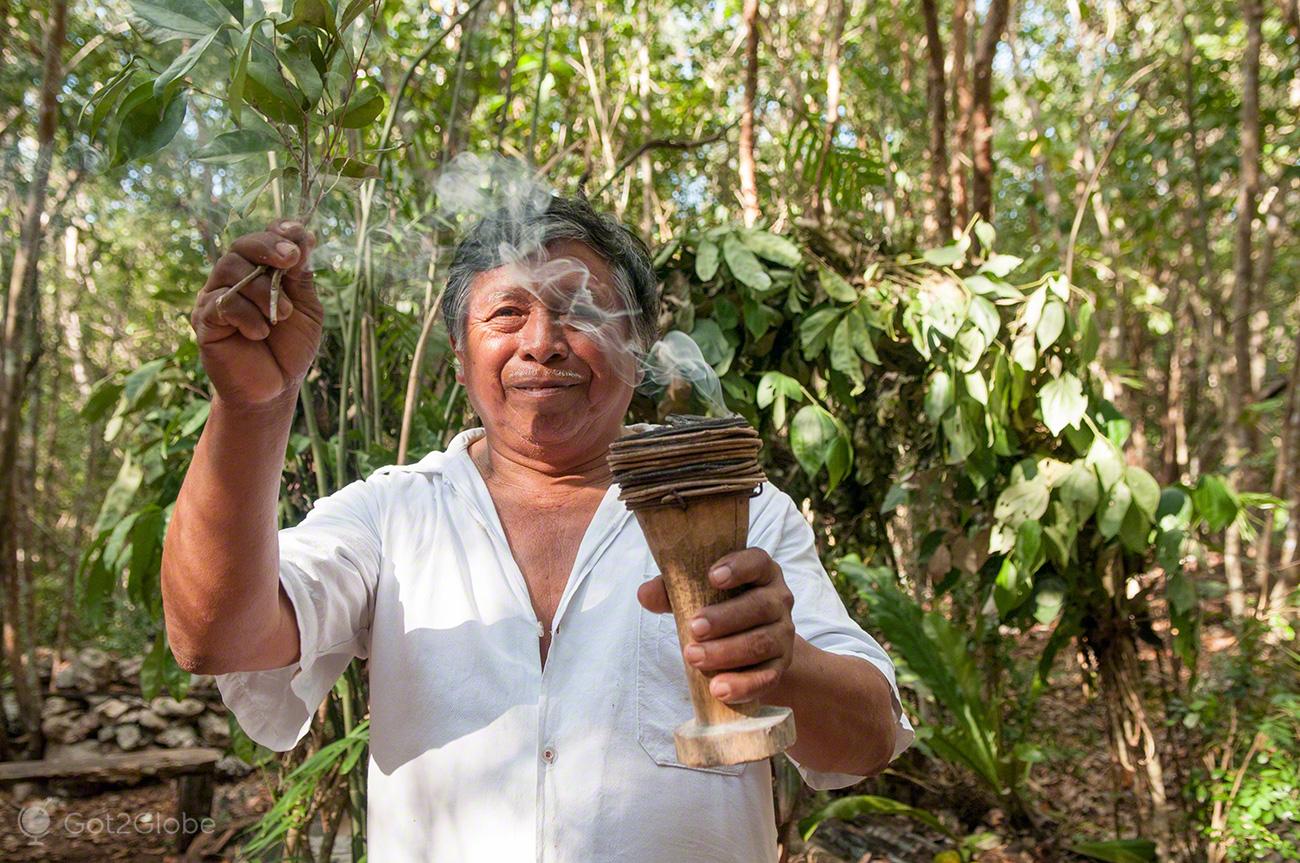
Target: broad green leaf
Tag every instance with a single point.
(1063, 403)
(971, 345)
(835, 286)
(898, 495)
(239, 72)
(860, 335)
(713, 344)
(839, 459)
(707, 257)
(1110, 512)
(843, 356)
(105, 99)
(103, 396)
(1033, 311)
(296, 60)
(1135, 530)
(1023, 353)
(1118, 850)
(939, 396)
(1079, 490)
(945, 308)
(1060, 286)
(365, 105)
(311, 13)
(1146, 491)
(986, 235)
(812, 435)
(1106, 459)
(1022, 501)
(349, 166)
(355, 8)
(146, 553)
(1011, 588)
(743, 264)
(149, 125)
(815, 330)
(235, 146)
(1000, 265)
(1029, 546)
(947, 256)
(759, 318)
(1215, 501)
(774, 248)
(961, 441)
(267, 91)
(984, 315)
(773, 384)
(1089, 337)
(166, 20)
(976, 388)
(1049, 599)
(1050, 325)
(183, 63)
(852, 807)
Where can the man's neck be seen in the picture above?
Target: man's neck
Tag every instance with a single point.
(503, 469)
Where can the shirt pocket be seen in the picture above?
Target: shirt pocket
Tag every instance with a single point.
(663, 700)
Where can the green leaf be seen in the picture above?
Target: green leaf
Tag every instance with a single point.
(1000, 265)
(350, 166)
(1146, 491)
(1135, 530)
(865, 804)
(311, 13)
(148, 125)
(971, 345)
(181, 66)
(844, 358)
(1079, 490)
(860, 335)
(1089, 337)
(167, 20)
(268, 92)
(812, 436)
(772, 384)
(939, 396)
(159, 671)
(1215, 501)
(774, 248)
(1023, 353)
(961, 441)
(945, 308)
(366, 104)
(146, 555)
(1022, 501)
(898, 495)
(835, 286)
(706, 260)
(1063, 403)
(296, 60)
(946, 256)
(1112, 509)
(1049, 599)
(239, 72)
(743, 264)
(1011, 587)
(976, 388)
(713, 344)
(815, 330)
(1060, 286)
(984, 315)
(1118, 850)
(759, 318)
(839, 459)
(103, 396)
(1029, 547)
(1050, 325)
(236, 146)
(1106, 459)
(986, 235)
(104, 100)
(352, 10)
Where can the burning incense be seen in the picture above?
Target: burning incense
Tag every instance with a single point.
(689, 484)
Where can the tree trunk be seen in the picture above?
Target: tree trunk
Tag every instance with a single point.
(982, 118)
(819, 205)
(936, 99)
(963, 105)
(1239, 387)
(18, 362)
(745, 158)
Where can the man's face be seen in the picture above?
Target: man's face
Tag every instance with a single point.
(547, 358)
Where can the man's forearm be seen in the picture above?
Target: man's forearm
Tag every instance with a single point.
(224, 607)
(843, 709)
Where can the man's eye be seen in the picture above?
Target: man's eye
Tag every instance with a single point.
(506, 310)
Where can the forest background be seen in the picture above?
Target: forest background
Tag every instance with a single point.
(1008, 287)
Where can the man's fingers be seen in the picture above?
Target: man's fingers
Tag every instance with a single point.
(751, 609)
(228, 271)
(270, 249)
(750, 684)
(748, 566)
(737, 651)
(653, 596)
(219, 313)
(298, 234)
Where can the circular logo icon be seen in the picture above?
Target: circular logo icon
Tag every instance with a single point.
(34, 821)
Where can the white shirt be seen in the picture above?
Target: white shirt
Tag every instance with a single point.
(477, 752)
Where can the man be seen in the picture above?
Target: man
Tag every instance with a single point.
(525, 677)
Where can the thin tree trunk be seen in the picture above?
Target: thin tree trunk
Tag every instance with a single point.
(936, 99)
(819, 205)
(982, 117)
(963, 106)
(745, 158)
(16, 371)
(1239, 387)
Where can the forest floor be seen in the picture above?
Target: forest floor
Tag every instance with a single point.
(1075, 784)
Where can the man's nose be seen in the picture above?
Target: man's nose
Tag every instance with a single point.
(542, 338)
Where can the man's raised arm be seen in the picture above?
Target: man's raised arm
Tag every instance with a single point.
(224, 607)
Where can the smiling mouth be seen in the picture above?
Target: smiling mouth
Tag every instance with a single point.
(543, 386)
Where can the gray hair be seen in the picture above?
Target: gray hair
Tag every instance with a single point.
(563, 219)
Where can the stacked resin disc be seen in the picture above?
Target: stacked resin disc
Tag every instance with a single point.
(688, 458)
(689, 483)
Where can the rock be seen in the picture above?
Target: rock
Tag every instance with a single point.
(96, 699)
(214, 730)
(169, 707)
(177, 737)
(104, 734)
(84, 749)
(65, 678)
(93, 669)
(112, 709)
(57, 704)
(69, 727)
(130, 737)
(150, 720)
(128, 669)
(203, 683)
(233, 767)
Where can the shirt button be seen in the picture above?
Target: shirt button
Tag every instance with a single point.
(548, 754)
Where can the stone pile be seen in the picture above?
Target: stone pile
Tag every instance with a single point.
(97, 709)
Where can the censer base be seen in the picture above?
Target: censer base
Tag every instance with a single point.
(752, 738)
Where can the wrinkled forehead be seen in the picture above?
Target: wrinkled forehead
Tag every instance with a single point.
(559, 274)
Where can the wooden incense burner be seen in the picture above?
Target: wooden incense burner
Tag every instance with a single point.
(689, 484)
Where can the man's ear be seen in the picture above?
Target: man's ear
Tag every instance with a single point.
(459, 362)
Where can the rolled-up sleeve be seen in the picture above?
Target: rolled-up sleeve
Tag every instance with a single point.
(329, 565)
(819, 614)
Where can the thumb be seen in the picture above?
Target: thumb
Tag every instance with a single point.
(653, 596)
(300, 271)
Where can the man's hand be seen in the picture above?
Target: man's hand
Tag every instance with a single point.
(747, 642)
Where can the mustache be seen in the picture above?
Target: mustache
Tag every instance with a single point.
(548, 378)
